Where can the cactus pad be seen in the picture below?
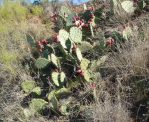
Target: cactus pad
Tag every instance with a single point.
(30, 40)
(75, 35)
(64, 110)
(27, 113)
(87, 76)
(37, 90)
(85, 46)
(54, 103)
(78, 54)
(64, 11)
(50, 95)
(54, 60)
(63, 36)
(84, 64)
(128, 6)
(37, 105)
(55, 78)
(69, 19)
(62, 92)
(62, 77)
(27, 86)
(42, 63)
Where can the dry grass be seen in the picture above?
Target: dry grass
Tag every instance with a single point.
(13, 48)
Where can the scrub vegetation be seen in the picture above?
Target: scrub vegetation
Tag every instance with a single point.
(77, 63)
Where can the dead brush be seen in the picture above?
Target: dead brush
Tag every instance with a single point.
(131, 68)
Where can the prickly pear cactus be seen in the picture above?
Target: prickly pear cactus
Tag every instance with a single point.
(84, 64)
(69, 19)
(54, 59)
(50, 95)
(85, 46)
(79, 54)
(28, 86)
(64, 12)
(55, 78)
(87, 76)
(95, 64)
(31, 41)
(63, 37)
(75, 35)
(128, 6)
(69, 45)
(37, 90)
(63, 34)
(62, 77)
(142, 4)
(64, 110)
(54, 103)
(27, 113)
(37, 105)
(42, 63)
(62, 92)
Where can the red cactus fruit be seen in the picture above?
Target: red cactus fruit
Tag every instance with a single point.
(110, 42)
(54, 17)
(77, 23)
(56, 39)
(80, 72)
(93, 85)
(44, 42)
(91, 8)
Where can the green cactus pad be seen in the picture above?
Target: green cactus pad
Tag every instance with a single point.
(63, 51)
(27, 113)
(42, 63)
(63, 11)
(75, 35)
(55, 78)
(87, 76)
(54, 60)
(84, 64)
(31, 41)
(54, 103)
(63, 36)
(62, 77)
(97, 63)
(50, 95)
(37, 90)
(128, 6)
(28, 86)
(69, 45)
(64, 110)
(79, 54)
(85, 46)
(142, 4)
(50, 48)
(37, 105)
(69, 19)
(62, 92)
(45, 54)
(97, 76)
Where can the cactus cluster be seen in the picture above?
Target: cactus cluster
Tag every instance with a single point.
(64, 64)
